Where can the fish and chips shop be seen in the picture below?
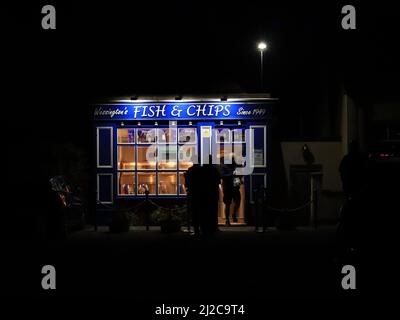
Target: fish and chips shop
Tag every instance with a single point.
(144, 146)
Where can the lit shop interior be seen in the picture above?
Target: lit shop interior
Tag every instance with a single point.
(135, 154)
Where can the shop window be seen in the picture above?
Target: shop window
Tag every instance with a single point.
(187, 156)
(166, 156)
(147, 135)
(146, 181)
(154, 159)
(259, 137)
(239, 153)
(238, 136)
(126, 136)
(167, 183)
(126, 157)
(126, 183)
(146, 157)
(182, 183)
(167, 135)
(187, 135)
(224, 152)
(223, 135)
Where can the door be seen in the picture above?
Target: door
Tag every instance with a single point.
(210, 143)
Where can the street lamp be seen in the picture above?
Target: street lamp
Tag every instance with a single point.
(262, 46)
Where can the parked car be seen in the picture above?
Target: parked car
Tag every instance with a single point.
(74, 206)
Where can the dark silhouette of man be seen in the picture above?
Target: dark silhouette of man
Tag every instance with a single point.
(231, 188)
(354, 214)
(211, 181)
(202, 183)
(352, 170)
(192, 177)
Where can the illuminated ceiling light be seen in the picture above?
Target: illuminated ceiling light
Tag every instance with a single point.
(122, 124)
(139, 124)
(178, 98)
(239, 123)
(156, 123)
(221, 123)
(190, 123)
(262, 46)
(224, 98)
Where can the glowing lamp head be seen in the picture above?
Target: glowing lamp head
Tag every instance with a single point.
(262, 46)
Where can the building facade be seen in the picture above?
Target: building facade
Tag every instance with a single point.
(145, 146)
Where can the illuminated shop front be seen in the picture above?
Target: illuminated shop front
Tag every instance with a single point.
(148, 145)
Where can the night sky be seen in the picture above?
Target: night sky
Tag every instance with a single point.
(99, 50)
(102, 50)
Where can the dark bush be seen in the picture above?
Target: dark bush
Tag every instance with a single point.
(120, 222)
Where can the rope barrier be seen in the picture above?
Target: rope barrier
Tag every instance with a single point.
(164, 208)
(134, 208)
(290, 210)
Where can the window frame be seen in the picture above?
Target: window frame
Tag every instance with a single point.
(156, 170)
(264, 127)
(111, 188)
(111, 165)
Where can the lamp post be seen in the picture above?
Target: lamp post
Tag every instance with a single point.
(262, 46)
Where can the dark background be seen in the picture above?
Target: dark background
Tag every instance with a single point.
(100, 50)
(201, 47)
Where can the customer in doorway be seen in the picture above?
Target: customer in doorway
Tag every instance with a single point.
(231, 187)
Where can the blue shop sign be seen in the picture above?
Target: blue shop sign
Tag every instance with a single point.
(183, 111)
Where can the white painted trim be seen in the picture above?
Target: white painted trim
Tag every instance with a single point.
(216, 129)
(201, 142)
(112, 187)
(111, 147)
(252, 145)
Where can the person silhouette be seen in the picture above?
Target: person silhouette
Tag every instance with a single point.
(192, 176)
(211, 180)
(352, 170)
(202, 183)
(354, 211)
(231, 188)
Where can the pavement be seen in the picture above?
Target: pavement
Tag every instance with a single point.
(236, 264)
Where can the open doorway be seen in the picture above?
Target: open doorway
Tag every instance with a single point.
(240, 210)
(226, 142)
